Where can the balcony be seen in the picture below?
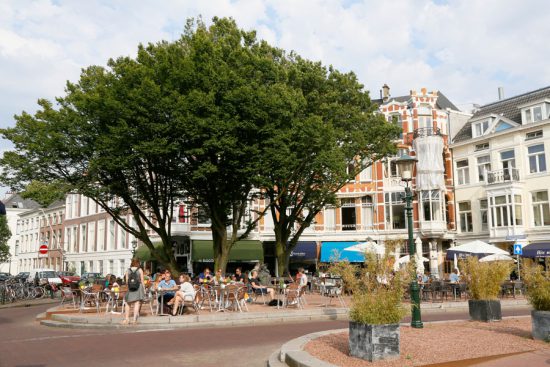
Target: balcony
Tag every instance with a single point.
(503, 176)
(433, 228)
(426, 131)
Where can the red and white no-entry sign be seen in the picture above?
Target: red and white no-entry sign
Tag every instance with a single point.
(43, 249)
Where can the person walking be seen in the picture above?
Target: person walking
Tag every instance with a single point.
(136, 292)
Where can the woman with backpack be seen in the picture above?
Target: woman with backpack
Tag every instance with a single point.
(136, 292)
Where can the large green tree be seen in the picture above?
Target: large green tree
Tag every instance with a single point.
(238, 89)
(5, 235)
(334, 134)
(182, 121)
(112, 137)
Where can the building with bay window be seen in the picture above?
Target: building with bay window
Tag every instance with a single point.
(501, 169)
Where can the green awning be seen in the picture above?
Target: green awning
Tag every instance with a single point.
(144, 254)
(245, 250)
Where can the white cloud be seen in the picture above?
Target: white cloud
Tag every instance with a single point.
(464, 48)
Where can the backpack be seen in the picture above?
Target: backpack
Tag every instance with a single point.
(133, 280)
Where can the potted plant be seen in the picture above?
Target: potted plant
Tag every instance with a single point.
(376, 309)
(484, 281)
(538, 293)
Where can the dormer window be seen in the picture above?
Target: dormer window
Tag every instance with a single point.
(479, 128)
(532, 114)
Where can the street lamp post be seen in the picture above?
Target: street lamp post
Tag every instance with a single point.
(134, 246)
(406, 166)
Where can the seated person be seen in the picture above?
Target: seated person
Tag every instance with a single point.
(186, 293)
(219, 278)
(301, 277)
(205, 276)
(454, 277)
(167, 284)
(423, 278)
(239, 276)
(258, 288)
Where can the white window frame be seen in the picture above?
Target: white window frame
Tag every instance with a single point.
(529, 113)
(391, 200)
(367, 211)
(465, 217)
(463, 173)
(483, 168)
(480, 128)
(537, 159)
(434, 199)
(484, 213)
(540, 206)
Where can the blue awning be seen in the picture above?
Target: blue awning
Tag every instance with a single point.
(304, 251)
(540, 249)
(336, 251)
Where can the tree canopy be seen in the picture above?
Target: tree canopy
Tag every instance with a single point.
(5, 235)
(217, 118)
(333, 135)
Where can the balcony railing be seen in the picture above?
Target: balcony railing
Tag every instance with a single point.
(426, 131)
(503, 175)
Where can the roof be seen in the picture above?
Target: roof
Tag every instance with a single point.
(508, 108)
(442, 102)
(15, 201)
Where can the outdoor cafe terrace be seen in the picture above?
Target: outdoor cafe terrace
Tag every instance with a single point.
(321, 296)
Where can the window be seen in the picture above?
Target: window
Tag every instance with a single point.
(465, 215)
(395, 210)
(483, 213)
(397, 120)
(366, 174)
(329, 218)
(425, 122)
(91, 236)
(350, 170)
(101, 235)
(463, 172)
(431, 205)
(391, 165)
(533, 114)
(482, 146)
(541, 208)
(111, 241)
(533, 135)
(367, 211)
(479, 128)
(203, 219)
(537, 160)
(483, 165)
(503, 216)
(508, 160)
(83, 244)
(348, 215)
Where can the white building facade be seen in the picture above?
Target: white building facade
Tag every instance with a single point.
(502, 181)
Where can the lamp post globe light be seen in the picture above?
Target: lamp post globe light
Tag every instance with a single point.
(134, 246)
(405, 165)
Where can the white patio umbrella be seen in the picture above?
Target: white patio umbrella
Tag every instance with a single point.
(496, 257)
(367, 247)
(406, 259)
(474, 248)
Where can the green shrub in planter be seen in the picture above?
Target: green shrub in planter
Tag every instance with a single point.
(538, 294)
(484, 281)
(376, 310)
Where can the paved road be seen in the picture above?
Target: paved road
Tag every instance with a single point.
(24, 343)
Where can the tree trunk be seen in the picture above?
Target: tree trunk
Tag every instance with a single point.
(283, 256)
(221, 248)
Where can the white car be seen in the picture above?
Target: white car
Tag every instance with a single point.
(44, 276)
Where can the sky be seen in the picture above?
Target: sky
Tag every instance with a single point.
(464, 48)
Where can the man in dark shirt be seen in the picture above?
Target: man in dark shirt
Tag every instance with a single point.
(239, 277)
(259, 288)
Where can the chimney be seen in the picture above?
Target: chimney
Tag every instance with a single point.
(385, 92)
(500, 93)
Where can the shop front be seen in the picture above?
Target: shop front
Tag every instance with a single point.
(245, 254)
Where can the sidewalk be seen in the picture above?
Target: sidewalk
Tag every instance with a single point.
(31, 302)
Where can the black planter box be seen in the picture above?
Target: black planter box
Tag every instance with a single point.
(540, 322)
(374, 342)
(485, 310)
